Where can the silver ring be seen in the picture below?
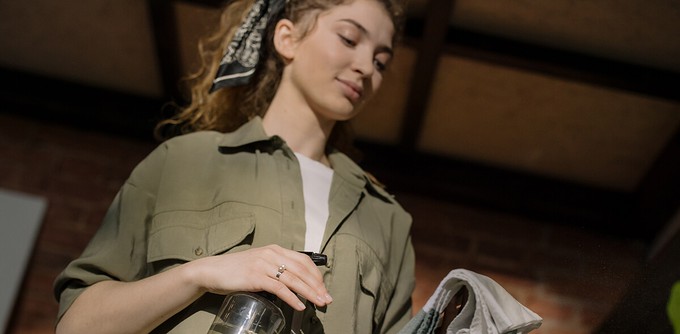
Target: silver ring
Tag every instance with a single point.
(280, 271)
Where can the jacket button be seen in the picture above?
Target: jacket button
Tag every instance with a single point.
(198, 251)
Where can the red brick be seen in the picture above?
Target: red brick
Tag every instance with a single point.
(64, 241)
(62, 211)
(502, 255)
(558, 261)
(612, 268)
(427, 280)
(51, 259)
(97, 146)
(32, 314)
(520, 287)
(560, 328)
(586, 243)
(438, 257)
(599, 289)
(17, 130)
(593, 316)
(441, 240)
(552, 309)
(10, 176)
(84, 169)
(79, 190)
(483, 224)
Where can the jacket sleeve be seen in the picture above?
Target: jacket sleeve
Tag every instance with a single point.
(399, 310)
(118, 249)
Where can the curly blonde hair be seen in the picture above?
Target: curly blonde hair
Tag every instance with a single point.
(226, 109)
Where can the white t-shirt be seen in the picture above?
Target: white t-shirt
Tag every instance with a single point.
(316, 188)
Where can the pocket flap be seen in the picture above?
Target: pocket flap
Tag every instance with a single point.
(191, 235)
(373, 279)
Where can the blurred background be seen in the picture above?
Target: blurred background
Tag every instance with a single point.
(536, 142)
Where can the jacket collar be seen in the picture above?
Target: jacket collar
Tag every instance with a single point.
(345, 168)
(250, 132)
(349, 171)
(251, 136)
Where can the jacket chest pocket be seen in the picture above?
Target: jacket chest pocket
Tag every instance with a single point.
(358, 277)
(181, 236)
(375, 285)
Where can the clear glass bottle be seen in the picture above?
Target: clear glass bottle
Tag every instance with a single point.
(248, 313)
(258, 313)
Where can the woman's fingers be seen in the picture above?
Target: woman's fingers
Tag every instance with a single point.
(284, 293)
(302, 276)
(296, 283)
(272, 268)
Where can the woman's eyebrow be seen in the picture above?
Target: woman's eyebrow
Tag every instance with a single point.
(357, 24)
(382, 48)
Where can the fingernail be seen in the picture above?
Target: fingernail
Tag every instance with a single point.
(329, 299)
(301, 306)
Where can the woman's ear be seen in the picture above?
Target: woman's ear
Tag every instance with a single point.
(284, 39)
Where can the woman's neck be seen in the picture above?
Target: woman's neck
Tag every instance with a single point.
(299, 126)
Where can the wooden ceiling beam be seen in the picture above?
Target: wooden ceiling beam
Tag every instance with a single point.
(524, 194)
(564, 64)
(430, 45)
(164, 27)
(78, 105)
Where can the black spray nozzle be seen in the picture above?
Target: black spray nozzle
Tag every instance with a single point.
(318, 258)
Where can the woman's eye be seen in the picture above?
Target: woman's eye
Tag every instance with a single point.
(347, 41)
(380, 66)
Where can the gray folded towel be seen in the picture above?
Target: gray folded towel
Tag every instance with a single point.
(489, 308)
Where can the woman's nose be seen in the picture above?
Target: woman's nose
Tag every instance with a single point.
(363, 63)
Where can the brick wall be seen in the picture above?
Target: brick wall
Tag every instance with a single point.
(571, 277)
(79, 172)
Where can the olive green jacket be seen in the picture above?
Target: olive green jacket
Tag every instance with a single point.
(209, 193)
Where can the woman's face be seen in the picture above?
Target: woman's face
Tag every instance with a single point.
(339, 64)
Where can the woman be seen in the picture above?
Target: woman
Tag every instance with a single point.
(211, 212)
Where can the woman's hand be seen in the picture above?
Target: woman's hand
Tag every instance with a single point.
(257, 269)
(140, 306)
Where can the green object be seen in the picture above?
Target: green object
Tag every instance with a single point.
(673, 307)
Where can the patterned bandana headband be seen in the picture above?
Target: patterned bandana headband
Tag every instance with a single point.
(243, 53)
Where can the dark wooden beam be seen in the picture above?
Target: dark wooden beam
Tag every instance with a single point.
(429, 49)
(91, 108)
(503, 190)
(164, 26)
(564, 64)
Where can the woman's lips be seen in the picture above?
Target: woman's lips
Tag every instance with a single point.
(351, 90)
